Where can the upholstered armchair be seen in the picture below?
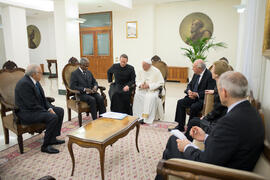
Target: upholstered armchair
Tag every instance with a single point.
(12, 65)
(10, 121)
(72, 98)
(162, 66)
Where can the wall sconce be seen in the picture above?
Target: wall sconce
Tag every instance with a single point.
(240, 8)
(78, 20)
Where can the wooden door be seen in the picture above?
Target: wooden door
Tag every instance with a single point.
(96, 45)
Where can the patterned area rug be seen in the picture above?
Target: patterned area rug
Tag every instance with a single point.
(122, 161)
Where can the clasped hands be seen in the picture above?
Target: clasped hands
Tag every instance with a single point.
(91, 91)
(144, 86)
(196, 133)
(192, 95)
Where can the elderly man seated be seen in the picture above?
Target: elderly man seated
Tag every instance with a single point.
(236, 141)
(147, 105)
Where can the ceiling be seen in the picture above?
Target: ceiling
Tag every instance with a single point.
(97, 6)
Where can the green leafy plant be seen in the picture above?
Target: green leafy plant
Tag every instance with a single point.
(200, 47)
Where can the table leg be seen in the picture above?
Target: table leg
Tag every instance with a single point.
(102, 155)
(49, 67)
(71, 155)
(137, 133)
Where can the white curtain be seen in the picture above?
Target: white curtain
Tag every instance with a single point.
(250, 60)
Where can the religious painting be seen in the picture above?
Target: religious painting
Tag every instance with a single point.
(196, 26)
(132, 29)
(34, 36)
(266, 39)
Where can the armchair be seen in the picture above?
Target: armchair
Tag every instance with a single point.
(162, 66)
(72, 98)
(10, 121)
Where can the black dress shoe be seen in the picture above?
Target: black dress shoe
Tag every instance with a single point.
(56, 142)
(141, 121)
(49, 149)
(176, 127)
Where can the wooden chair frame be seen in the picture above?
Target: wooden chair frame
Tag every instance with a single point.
(72, 97)
(11, 122)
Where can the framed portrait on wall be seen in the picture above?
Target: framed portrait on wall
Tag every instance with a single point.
(266, 38)
(132, 29)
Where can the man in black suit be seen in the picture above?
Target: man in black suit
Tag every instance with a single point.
(34, 108)
(83, 80)
(237, 139)
(201, 80)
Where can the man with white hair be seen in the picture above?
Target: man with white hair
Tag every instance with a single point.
(34, 108)
(147, 105)
(201, 81)
(237, 139)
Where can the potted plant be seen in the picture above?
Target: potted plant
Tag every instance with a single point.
(199, 47)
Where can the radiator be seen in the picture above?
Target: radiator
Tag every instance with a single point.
(178, 74)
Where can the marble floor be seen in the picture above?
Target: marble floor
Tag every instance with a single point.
(174, 91)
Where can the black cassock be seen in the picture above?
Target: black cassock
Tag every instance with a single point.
(120, 100)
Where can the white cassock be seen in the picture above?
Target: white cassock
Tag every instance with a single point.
(147, 104)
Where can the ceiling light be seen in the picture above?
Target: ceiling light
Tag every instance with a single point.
(240, 8)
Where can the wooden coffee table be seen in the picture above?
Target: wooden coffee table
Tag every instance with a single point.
(100, 133)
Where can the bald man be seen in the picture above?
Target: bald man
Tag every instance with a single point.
(34, 108)
(147, 105)
(201, 80)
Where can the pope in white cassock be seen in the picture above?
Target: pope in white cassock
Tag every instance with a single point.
(147, 105)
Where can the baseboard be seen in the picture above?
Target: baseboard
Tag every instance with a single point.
(47, 73)
(62, 91)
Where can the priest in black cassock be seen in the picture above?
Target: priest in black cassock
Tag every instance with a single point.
(121, 88)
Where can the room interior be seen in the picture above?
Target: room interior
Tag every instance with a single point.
(242, 24)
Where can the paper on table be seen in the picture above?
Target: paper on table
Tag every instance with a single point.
(114, 115)
(178, 134)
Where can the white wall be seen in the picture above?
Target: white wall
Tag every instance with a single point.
(2, 49)
(136, 49)
(46, 48)
(168, 19)
(158, 31)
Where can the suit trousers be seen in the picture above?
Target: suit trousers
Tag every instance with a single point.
(53, 122)
(96, 103)
(195, 106)
(171, 151)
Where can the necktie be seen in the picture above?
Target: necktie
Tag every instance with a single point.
(38, 90)
(196, 84)
(84, 74)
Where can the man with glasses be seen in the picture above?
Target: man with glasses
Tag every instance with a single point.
(34, 108)
(83, 80)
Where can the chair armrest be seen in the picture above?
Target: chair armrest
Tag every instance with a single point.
(102, 88)
(187, 168)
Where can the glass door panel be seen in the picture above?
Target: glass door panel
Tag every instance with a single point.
(103, 42)
(87, 44)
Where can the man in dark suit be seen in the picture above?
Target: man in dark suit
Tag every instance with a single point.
(237, 139)
(201, 80)
(83, 80)
(34, 108)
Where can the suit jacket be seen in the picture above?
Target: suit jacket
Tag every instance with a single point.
(235, 142)
(27, 98)
(78, 81)
(206, 83)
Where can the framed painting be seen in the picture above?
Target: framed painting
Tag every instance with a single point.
(266, 39)
(132, 29)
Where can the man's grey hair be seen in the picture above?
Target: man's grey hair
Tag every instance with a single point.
(32, 69)
(201, 64)
(84, 61)
(235, 83)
